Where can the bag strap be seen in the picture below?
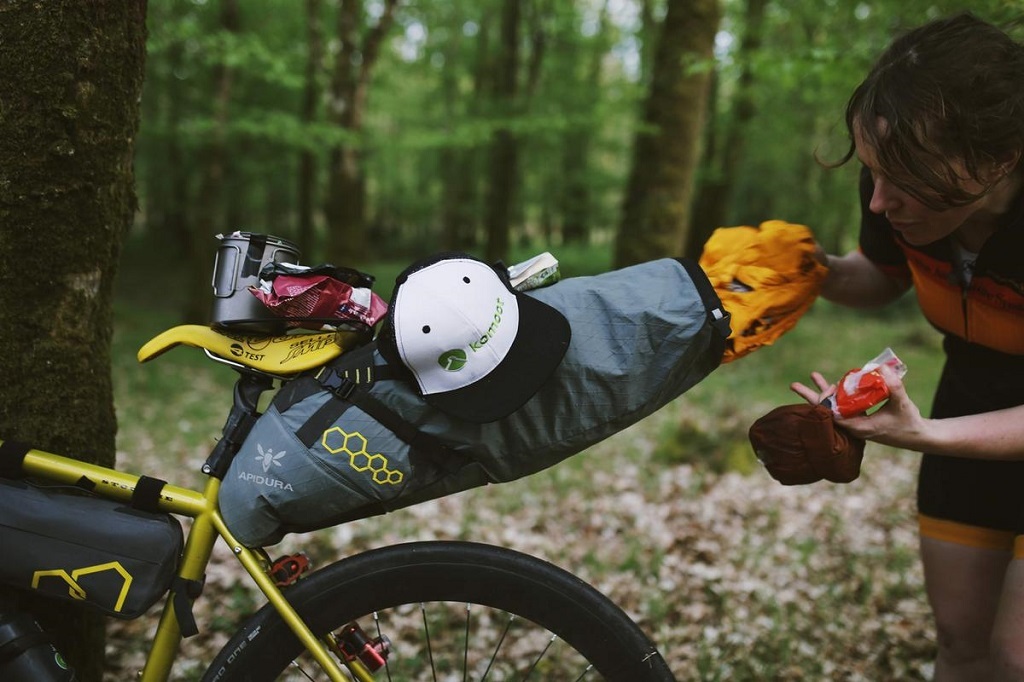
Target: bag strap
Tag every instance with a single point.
(443, 456)
(349, 387)
(717, 316)
(183, 593)
(146, 496)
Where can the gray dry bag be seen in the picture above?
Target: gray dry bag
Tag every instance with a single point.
(354, 439)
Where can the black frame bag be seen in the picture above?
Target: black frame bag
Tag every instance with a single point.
(67, 544)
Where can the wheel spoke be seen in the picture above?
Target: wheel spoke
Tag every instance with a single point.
(430, 648)
(540, 656)
(497, 648)
(380, 635)
(295, 664)
(465, 646)
(586, 671)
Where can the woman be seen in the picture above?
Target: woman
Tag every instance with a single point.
(938, 125)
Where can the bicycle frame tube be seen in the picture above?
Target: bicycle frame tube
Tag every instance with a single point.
(206, 527)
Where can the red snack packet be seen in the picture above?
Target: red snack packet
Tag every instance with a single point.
(858, 391)
(861, 389)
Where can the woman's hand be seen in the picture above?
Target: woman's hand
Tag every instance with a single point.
(825, 389)
(898, 422)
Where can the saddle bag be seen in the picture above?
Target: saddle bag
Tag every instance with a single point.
(67, 544)
(355, 439)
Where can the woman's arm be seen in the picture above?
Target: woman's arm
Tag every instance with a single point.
(855, 281)
(989, 435)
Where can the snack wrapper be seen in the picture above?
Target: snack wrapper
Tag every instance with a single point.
(313, 298)
(861, 389)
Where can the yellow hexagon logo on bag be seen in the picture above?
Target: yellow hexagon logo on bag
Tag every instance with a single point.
(338, 441)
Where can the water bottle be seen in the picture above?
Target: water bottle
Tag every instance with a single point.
(27, 654)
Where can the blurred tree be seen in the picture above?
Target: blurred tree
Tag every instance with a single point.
(428, 150)
(353, 69)
(585, 62)
(655, 216)
(457, 160)
(70, 80)
(722, 163)
(311, 94)
(510, 99)
(214, 162)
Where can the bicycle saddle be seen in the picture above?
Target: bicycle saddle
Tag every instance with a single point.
(284, 355)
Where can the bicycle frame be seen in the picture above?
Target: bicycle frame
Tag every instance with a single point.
(258, 360)
(207, 527)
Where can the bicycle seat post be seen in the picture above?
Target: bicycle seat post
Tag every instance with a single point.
(248, 389)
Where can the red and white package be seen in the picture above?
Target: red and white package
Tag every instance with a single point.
(313, 301)
(861, 389)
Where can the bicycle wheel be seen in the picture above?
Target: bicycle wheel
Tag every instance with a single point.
(450, 611)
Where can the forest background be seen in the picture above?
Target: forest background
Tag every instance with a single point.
(384, 130)
(371, 133)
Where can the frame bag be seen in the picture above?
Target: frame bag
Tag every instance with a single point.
(355, 439)
(69, 545)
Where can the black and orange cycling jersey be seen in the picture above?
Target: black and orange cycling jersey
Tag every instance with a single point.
(989, 311)
(975, 502)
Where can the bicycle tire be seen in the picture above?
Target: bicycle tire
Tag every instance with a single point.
(532, 591)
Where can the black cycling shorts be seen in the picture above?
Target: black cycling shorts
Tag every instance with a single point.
(971, 501)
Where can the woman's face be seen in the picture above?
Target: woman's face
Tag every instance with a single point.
(916, 222)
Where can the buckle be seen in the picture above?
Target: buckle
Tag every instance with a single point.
(341, 386)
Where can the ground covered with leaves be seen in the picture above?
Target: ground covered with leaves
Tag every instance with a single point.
(735, 576)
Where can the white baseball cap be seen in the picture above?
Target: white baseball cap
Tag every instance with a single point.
(476, 348)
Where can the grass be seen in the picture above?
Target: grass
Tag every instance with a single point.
(735, 576)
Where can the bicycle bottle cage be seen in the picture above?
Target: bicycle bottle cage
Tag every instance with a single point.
(280, 355)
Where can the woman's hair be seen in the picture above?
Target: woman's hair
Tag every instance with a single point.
(951, 90)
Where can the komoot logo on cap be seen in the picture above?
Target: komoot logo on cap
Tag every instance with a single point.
(475, 347)
(453, 360)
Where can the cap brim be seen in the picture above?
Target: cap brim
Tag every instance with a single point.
(539, 347)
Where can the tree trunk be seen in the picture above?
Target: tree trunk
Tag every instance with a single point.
(575, 202)
(459, 165)
(346, 192)
(176, 215)
(208, 218)
(504, 154)
(656, 207)
(71, 82)
(711, 209)
(307, 159)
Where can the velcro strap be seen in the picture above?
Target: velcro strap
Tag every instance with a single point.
(444, 457)
(146, 495)
(348, 393)
(183, 593)
(313, 428)
(12, 454)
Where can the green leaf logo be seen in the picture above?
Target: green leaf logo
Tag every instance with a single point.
(453, 360)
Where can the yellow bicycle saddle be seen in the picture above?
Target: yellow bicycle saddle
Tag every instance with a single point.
(286, 354)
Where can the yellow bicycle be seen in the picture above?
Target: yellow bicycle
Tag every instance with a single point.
(418, 611)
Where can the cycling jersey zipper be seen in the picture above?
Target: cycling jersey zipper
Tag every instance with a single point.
(964, 308)
(965, 277)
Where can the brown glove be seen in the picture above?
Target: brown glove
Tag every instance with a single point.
(801, 444)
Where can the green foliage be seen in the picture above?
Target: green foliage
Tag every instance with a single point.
(431, 115)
